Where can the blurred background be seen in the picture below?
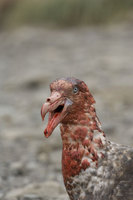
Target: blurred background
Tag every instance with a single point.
(41, 40)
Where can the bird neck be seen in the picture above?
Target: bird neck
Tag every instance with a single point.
(83, 143)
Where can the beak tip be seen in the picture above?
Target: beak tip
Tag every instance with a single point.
(42, 114)
(46, 133)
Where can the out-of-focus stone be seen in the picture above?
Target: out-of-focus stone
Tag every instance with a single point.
(42, 157)
(18, 168)
(50, 189)
(30, 197)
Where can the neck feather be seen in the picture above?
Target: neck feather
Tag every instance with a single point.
(83, 143)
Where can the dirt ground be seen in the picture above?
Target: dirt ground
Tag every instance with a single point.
(31, 58)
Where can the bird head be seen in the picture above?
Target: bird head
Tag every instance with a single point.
(69, 97)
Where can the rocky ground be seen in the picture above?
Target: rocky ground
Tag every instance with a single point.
(31, 58)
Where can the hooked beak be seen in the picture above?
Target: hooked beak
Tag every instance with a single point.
(57, 106)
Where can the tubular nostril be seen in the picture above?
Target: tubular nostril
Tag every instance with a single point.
(48, 99)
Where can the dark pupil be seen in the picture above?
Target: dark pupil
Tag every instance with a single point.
(75, 89)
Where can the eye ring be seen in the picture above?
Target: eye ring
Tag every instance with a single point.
(75, 90)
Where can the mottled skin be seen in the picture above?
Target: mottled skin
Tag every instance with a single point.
(93, 168)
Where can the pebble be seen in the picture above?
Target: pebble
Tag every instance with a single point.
(18, 168)
(30, 197)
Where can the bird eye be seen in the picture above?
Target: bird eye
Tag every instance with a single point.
(75, 89)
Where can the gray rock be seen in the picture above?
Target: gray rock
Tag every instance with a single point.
(30, 197)
(48, 189)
